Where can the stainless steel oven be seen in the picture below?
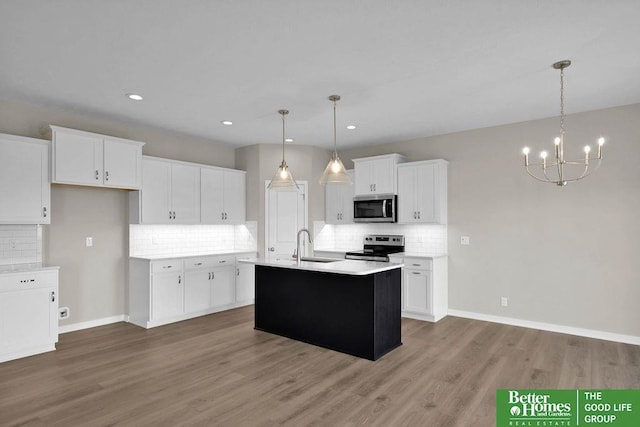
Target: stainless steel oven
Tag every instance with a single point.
(375, 208)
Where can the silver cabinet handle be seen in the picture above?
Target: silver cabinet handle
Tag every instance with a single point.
(213, 275)
(198, 263)
(223, 261)
(169, 214)
(415, 272)
(167, 266)
(237, 271)
(44, 211)
(221, 215)
(97, 175)
(209, 275)
(272, 249)
(418, 214)
(416, 265)
(179, 279)
(53, 297)
(106, 175)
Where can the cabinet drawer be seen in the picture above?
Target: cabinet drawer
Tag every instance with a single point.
(28, 280)
(166, 266)
(417, 264)
(209, 262)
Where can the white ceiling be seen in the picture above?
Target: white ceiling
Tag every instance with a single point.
(405, 69)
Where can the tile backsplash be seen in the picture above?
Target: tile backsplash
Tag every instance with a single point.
(152, 240)
(419, 238)
(20, 244)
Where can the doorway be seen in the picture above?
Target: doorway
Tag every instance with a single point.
(285, 214)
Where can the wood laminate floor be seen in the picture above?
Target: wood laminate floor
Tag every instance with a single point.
(217, 370)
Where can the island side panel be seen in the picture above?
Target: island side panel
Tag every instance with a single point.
(335, 311)
(387, 312)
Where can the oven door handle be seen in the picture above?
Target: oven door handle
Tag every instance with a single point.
(384, 208)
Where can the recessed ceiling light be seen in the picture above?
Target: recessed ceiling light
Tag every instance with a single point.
(227, 122)
(134, 96)
(288, 140)
(351, 127)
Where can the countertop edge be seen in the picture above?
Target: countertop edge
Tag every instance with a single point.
(345, 267)
(22, 268)
(178, 256)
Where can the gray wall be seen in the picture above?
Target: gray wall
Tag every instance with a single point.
(564, 256)
(261, 162)
(93, 280)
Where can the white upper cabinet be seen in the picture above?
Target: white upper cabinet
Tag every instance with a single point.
(422, 192)
(170, 194)
(84, 158)
(339, 202)
(222, 196)
(24, 180)
(376, 175)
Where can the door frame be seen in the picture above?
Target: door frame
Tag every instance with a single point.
(304, 186)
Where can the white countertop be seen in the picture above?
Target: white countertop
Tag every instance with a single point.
(197, 255)
(33, 266)
(417, 255)
(350, 267)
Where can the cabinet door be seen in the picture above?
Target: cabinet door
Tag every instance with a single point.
(156, 193)
(417, 291)
(223, 286)
(28, 319)
(234, 197)
(348, 191)
(197, 290)
(245, 282)
(211, 196)
(77, 159)
(24, 182)
(407, 212)
(363, 174)
(167, 295)
(333, 203)
(185, 193)
(122, 164)
(382, 173)
(426, 194)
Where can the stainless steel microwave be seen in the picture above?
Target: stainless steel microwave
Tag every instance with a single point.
(375, 208)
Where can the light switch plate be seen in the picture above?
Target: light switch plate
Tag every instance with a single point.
(89, 241)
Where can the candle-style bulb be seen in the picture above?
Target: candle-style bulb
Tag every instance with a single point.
(601, 141)
(557, 140)
(525, 151)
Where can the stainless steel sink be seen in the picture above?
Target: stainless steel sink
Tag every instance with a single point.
(318, 259)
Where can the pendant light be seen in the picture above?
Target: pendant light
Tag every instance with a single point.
(335, 173)
(283, 180)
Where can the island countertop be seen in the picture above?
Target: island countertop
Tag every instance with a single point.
(349, 267)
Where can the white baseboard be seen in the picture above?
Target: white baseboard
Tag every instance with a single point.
(92, 323)
(589, 333)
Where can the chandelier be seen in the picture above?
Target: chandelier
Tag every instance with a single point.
(557, 170)
(283, 180)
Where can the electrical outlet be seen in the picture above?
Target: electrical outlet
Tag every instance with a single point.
(12, 243)
(64, 313)
(504, 301)
(465, 240)
(89, 241)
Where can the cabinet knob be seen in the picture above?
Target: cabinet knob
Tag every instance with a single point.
(44, 212)
(97, 174)
(179, 279)
(53, 297)
(106, 175)
(272, 249)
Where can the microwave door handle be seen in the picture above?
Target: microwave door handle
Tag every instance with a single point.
(384, 208)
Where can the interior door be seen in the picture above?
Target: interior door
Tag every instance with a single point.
(286, 214)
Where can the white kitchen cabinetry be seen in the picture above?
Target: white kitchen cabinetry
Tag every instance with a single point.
(424, 287)
(170, 194)
(85, 158)
(245, 283)
(28, 313)
(376, 175)
(222, 196)
(167, 291)
(24, 180)
(339, 202)
(422, 192)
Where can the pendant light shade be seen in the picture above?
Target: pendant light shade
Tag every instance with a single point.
(283, 180)
(335, 173)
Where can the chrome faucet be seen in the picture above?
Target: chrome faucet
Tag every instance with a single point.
(298, 256)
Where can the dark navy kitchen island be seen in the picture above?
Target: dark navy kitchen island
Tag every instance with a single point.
(348, 306)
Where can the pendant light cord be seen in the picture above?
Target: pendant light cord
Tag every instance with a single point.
(283, 137)
(335, 145)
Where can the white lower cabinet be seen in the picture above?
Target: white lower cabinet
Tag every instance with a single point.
(167, 291)
(424, 287)
(28, 313)
(245, 283)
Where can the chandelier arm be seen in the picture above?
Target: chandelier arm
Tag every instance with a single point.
(538, 178)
